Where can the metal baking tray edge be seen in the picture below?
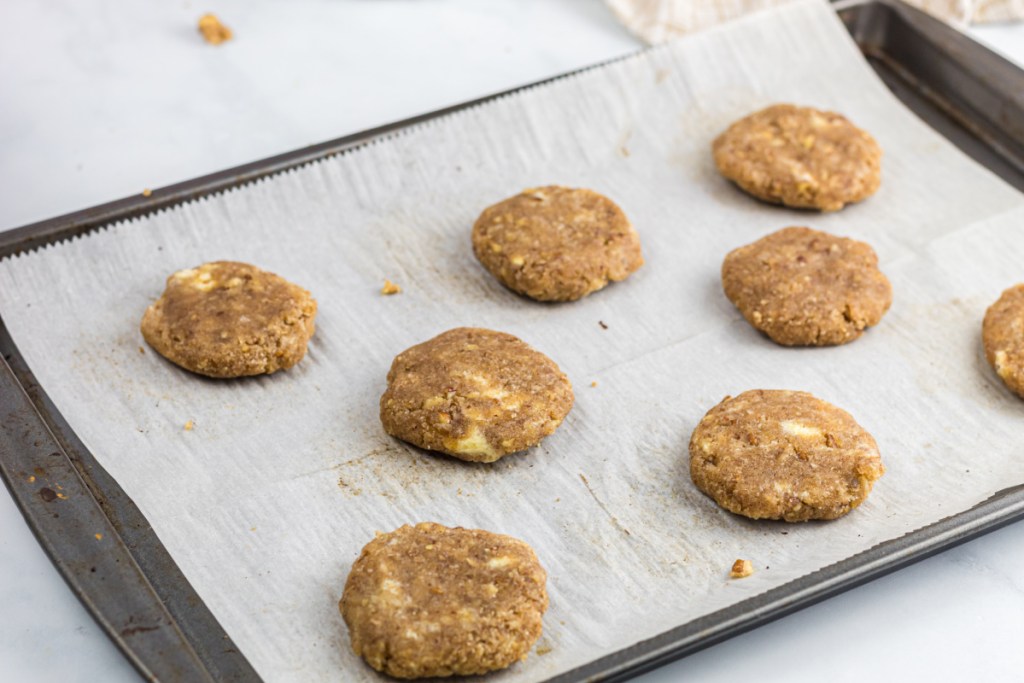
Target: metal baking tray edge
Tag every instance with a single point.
(118, 568)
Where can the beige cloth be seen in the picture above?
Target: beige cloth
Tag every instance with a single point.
(656, 21)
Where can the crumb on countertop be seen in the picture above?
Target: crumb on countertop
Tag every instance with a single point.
(741, 569)
(147, 192)
(189, 425)
(212, 30)
(390, 288)
(594, 383)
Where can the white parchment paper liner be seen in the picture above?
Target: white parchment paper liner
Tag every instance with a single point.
(268, 500)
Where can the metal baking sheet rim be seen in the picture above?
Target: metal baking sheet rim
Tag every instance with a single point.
(163, 645)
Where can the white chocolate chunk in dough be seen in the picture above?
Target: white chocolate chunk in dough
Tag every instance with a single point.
(795, 428)
(475, 444)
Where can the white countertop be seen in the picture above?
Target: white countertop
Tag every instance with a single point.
(102, 99)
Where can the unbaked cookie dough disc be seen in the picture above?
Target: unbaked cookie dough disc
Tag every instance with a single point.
(783, 455)
(805, 287)
(800, 157)
(228, 319)
(429, 600)
(474, 394)
(556, 243)
(1002, 333)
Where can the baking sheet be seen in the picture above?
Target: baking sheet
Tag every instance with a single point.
(268, 500)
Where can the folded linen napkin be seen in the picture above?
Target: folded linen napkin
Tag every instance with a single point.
(656, 21)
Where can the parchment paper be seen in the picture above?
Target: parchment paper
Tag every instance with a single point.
(268, 500)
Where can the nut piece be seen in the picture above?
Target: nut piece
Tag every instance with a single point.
(429, 600)
(212, 30)
(741, 569)
(769, 454)
(556, 244)
(474, 394)
(800, 157)
(805, 287)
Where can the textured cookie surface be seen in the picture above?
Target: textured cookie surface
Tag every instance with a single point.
(474, 394)
(1002, 333)
(228, 319)
(556, 244)
(428, 600)
(800, 157)
(783, 455)
(805, 287)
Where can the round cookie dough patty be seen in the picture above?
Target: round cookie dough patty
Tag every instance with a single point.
(228, 319)
(800, 157)
(1002, 333)
(433, 601)
(805, 287)
(556, 244)
(783, 455)
(474, 394)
